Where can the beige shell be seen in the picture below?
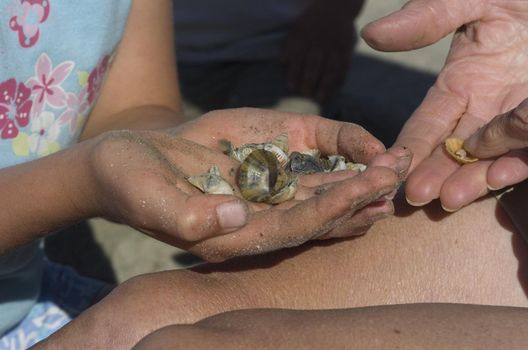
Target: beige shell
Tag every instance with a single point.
(278, 146)
(455, 147)
(211, 182)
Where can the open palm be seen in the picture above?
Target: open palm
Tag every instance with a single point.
(485, 75)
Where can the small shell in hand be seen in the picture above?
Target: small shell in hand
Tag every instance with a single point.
(261, 178)
(211, 182)
(455, 147)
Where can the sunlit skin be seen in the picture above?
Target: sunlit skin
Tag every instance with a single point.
(484, 75)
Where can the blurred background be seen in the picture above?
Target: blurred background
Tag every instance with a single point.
(378, 91)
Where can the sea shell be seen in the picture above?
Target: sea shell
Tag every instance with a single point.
(455, 147)
(261, 178)
(278, 146)
(211, 182)
(303, 163)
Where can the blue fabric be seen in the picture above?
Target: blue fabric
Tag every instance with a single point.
(64, 295)
(54, 55)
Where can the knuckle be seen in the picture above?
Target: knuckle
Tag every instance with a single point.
(518, 122)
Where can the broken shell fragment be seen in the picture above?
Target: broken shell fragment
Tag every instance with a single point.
(211, 182)
(455, 147)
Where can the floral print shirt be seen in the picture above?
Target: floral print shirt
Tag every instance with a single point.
(54, 55)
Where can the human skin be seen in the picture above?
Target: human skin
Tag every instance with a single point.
(416, 326)
(484, 76)
(138, 177)
(473, 256)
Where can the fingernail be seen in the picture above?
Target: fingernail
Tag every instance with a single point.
(391, 195)
(404, 159)
(449, 210)
(381, 216)
(491, 188)
(416, 204)
(232, 215)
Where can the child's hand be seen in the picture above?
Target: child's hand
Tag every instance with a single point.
(140, 180)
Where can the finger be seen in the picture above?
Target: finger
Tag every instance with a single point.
(278, 228)
(504, 133)
(251, 125)
(466, 185)
(425, 182)
(420, 23)
(167, 209)
(361, 221)
(318, 179)
(431, 123)
(508, 170)
(397, 158)
(347, 139)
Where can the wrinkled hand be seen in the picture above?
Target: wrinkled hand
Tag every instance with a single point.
(141, 181)
(319, 47)
(485, 75)
(506, 137)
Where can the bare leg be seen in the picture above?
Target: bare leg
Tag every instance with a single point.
(412, 327)
(470, 257)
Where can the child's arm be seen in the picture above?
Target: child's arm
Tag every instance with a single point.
(141, 90)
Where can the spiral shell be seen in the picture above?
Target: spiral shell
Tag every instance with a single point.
(261, 178)
(455, 147)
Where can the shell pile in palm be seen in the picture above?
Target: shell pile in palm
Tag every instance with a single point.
(268, 173)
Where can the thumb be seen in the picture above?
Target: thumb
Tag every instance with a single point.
(504, 133)
(204, 216)
(420, 23)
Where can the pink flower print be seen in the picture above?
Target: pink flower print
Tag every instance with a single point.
(95, 80)
(30, 15)
(15, 107)
(46, 84)
(75, 107)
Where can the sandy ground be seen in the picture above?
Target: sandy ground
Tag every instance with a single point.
(386, 85)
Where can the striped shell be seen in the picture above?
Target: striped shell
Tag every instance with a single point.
(261, 178)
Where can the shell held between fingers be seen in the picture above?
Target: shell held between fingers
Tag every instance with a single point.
(455, 148)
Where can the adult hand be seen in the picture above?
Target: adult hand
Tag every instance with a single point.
(485, 75)
(319, 47)
(140, 178)
(506, 137)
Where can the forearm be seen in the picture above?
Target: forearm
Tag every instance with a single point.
(40, 196)
(421, 326)
(149, 117)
